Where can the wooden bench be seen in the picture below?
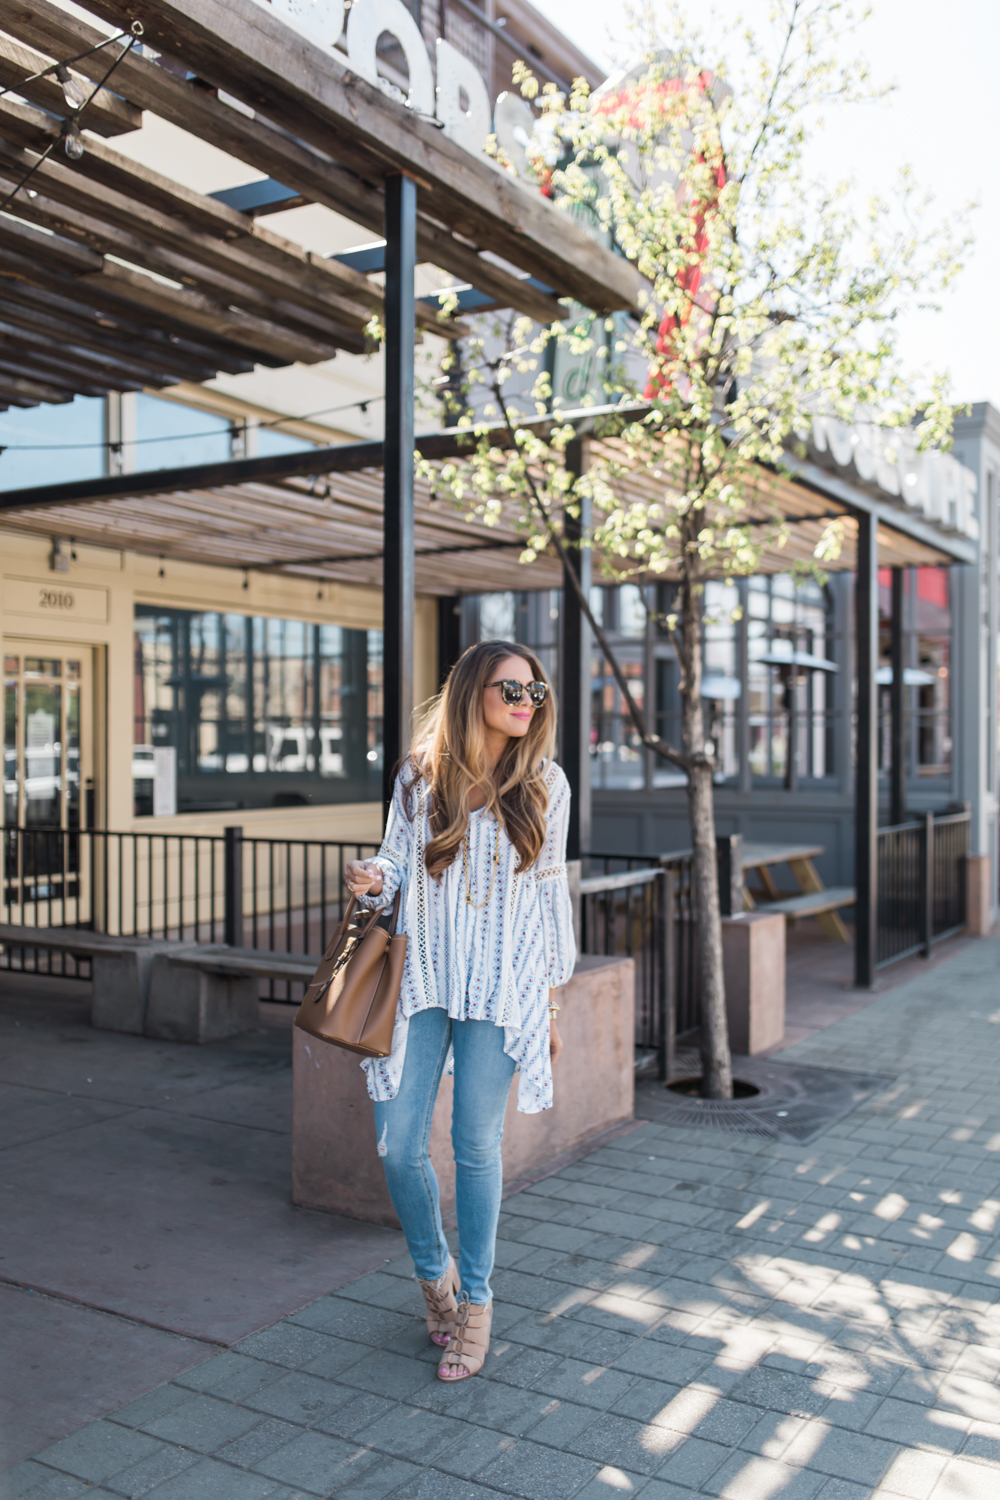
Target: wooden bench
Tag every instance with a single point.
(121, 968)
(207, 992)
(822, 904)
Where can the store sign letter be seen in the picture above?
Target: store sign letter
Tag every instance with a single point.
(460, 101)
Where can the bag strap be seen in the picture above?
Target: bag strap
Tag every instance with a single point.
(345, 923)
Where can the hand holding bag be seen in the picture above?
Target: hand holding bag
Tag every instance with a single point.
(352, 998)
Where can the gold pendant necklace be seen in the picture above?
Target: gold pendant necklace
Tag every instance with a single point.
(480, 905)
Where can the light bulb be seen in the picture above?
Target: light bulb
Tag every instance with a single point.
(74, 89)
(72, 143)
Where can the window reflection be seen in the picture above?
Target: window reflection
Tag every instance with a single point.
(926, 672)
(289, 712)
(791, 667)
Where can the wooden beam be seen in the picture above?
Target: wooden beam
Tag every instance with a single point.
(106, 113)
(310, 171)
(61, 376)
(244, 48)
(152, 361)
(52, 248)
(136, 199)
(187, 306)
(202, 312)
(318, 332)
(31, 392)
(21, 278)
(100, 318)
(101, 363)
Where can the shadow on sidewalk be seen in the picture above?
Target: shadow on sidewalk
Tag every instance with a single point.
(147, 1216)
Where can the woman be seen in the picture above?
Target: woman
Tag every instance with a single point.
(476, 838)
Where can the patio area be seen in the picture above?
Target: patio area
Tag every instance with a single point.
(148, 1224)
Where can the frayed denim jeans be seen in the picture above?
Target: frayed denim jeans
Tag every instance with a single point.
(483, 1073)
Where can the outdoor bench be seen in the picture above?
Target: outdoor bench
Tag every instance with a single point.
(813, 903)
(121, 968)
(176, 991)
(205, 992)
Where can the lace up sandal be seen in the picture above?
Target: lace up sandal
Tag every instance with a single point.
(441, 1297)
(469, 1343)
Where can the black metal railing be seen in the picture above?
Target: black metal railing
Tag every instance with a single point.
(286, 895)
(642, 906)
(628, 914)
(921, 884)
(274, 894)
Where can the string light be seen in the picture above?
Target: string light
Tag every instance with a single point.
(179, 437)
(70, 136)
(72, 141)
(74, 89)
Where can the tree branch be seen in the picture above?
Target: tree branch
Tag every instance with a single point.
(651, 741)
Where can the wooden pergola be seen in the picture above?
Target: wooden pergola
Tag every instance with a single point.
(114, 278)
(111, 276)
(319, 514)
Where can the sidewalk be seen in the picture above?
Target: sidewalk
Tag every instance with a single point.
(145, 1213)
(684, 1311)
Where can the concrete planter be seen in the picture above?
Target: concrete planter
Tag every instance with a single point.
(335, 1166)
(978, 894)
(753, 956)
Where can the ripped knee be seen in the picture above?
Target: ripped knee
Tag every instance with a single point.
(383, 1146)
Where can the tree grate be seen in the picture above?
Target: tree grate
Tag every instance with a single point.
(794, 1104)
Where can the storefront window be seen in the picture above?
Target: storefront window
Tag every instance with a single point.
(926, 672)
(287, 711)
(791, 673)
(782, 700)
(527, 617)
(52, 444)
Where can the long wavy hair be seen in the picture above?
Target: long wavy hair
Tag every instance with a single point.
(449, 752)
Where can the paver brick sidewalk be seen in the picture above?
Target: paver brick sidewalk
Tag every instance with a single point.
(682, 1312)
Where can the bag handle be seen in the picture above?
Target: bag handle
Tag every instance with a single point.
(345, 923)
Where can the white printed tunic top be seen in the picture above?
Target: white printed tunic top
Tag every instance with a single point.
(491, 958)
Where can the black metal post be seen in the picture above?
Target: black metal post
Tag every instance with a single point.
(729, 853)
(866, 774)
(398, 596)
(449, 634)
(232, 933)
(897, 697)
(668, 975)
(574, 671)
(927, 886)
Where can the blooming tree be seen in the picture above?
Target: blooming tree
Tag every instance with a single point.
(771, 299)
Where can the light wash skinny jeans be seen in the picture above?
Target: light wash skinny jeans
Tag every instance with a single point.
(483, 1073)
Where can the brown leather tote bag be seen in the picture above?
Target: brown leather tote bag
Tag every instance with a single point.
(351, 1000)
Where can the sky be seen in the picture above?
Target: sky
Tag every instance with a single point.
(942, 120)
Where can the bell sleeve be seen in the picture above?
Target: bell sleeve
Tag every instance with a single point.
(553, 886)
(393, 857)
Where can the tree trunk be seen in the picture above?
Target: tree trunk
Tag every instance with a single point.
(717, 1066)
(716, 1062)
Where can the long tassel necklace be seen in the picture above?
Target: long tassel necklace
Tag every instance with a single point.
(494, 863)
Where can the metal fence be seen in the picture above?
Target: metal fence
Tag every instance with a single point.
(286, 895)
(275, 894)
(921, 884)
(642, 907)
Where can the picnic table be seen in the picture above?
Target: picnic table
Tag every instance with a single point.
(812, 900)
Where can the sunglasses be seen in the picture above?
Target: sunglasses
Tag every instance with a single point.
(512, 691)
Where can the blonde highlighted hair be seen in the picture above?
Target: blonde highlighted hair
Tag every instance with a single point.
(449, 752)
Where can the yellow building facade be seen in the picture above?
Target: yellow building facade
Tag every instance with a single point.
(73, 738)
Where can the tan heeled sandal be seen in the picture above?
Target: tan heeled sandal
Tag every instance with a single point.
(441, 1298)
(470, 1341)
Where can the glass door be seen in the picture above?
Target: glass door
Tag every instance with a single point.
(48, 770)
